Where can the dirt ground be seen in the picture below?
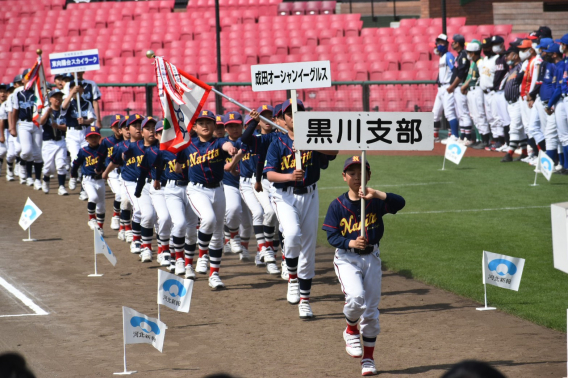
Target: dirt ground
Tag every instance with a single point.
(248, 330)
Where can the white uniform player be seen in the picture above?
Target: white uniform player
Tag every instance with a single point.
(3, 131)
(13, 161)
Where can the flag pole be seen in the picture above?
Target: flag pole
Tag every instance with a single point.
(363, 187)
(294, 103)
(535, 176)
(484, 287)
(29, 239)
(444, 163)
(150, 54)
(158, 295)
(125, 372)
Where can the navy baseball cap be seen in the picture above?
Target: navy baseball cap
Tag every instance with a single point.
(116, 120)
(207, 114)
(277, 111)
(3, 86)
(54, 92)
(265, 108)
(497, 40)
(232, 117)
(219, 119)
(544, 43)
(149, 120)
(59, 76)
(18, 78)
(134, 118)
(354, 160)
(458, 38)
(544, 32)
(564, 39)
(287, 104)
(26, 71)
(123, 122)
(512, 49)
(93, 130)
(159, 126)
(553, 48)
(67, 77)
(247, 119)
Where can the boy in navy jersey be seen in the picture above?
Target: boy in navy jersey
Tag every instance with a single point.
(205, 157)
(93, 182)
(357, 259)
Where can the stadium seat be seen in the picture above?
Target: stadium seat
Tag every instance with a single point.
(387, 47)
(281, 46)
(327, 7)
(423, 75)
(265, 52)
(285, 9)
(313, 7)
(383, 32)
(502, 30)
(390, 75)
(298, 7)
(468, 30)
(339, 49)
(376, 70)
(361, 71)
(456, 21)
(423, 50)
(295, 44)
(250, 16)
(485, 31)
(353, 28)
(514, 36)
(406, 75)
(408, 60)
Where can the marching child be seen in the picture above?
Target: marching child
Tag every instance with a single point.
(93, 182)
(357, 259)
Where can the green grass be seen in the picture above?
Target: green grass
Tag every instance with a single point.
(445, 249)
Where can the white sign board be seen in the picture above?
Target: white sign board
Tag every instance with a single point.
(29, 215)
(285, 76)
(74, 61)
(455, 152)
(381, 131)
(559, 220)
(502, 270)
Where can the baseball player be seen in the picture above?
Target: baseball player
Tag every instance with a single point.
(77, 122)
(54, 149)
(444, 102)
(296, 202)
(559, 101)
(474, 92)
(91, 93)
(87, 159)
(553, 59)
(106, 148)
(148, 169)
(14, 147)
(530, 68)
(60, 83)
(29, 135)
(357, 259)
(3, 129)
(459, 75)
(205, 157)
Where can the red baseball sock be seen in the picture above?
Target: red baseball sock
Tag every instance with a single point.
(368, 352)
(213, 270)
(352, 329)
(202, 252)
(179, 255)
(100, 224)
(245, 244)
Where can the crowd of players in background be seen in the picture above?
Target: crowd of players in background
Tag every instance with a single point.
(516, 97)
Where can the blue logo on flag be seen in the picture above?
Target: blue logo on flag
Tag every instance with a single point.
(545, 163)
(174, 288)
(511, 268)
(107, 247)
(146, 325)
(456, 149)
(30, 212)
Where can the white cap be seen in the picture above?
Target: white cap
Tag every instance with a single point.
(443, 37)
(473, 46)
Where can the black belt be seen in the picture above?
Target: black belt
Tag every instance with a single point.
(512, 102)
(179, 182)
(304, 190)
(148, 180)
(487, 91)
(208, 186)
(57, 139)
(95, 176)
(367, 251)
(79, 127)
(246, 179)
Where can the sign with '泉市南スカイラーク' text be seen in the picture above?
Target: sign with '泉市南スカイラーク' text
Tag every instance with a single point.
(364, 131)
(288, 76)
(74, 61)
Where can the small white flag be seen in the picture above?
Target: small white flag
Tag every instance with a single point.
(174, 292)
(455, 152)
(141, 329)
(102, 248)
(502, 270)
(30, 213)
(545, 165)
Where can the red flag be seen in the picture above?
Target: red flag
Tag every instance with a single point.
(36, 82)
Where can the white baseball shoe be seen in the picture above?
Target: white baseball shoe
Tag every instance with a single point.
(159, 259)
(135, 247)
(92, 224)
(180, 267)
(368, 367)
(267, 255)
(38, 185)
(61, 191)
(72, 183)
(215, 282)
(9, 174)
(189, 272)
(226, 248)
(235, 245)
(128, 236)
(165, 260)
(45, 187)
(201, 266)
(172, 267)
(353, 345)
(83, 196)
(121, 235)
(30, 181)
(22, 180)
(258, 260)
(305, 309)
(293, 295)
(450, 139)
(244, 255)
(146, 255)
(272, 268)
(115, 223)
(284, 273)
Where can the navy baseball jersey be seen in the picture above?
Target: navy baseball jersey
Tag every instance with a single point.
(148, 162)
(229, 178)
(25, 102)
(87, 159)
(280, 158)
(91, 91)
(248, 163)
(343, 219)
(71, 114)
(133, 156)
(49, 132)
(107, 146)
(205, 160)
(168, 161)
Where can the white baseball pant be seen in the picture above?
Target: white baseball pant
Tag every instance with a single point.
(124, 200)
(130, 188)
(496, 111)
(298, 217)
(54, 155)
(516, 129)
(548, 125)
(249, 198)
(184, 220)
(536, 126)
(233, 210)
(360, 277)
(159, 202)
(264, 200)
(462, 111)
(561, 114)
(96, 192)
(113, 182)
(477, 110)
(445, 104)
(14, 148)
(209, 205)
(30, 138)
(75, 141)
(525, 116)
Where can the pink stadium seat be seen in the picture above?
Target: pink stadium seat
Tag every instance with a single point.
(423, 22)
(433, 31)
(361, 70)
(423, 50)
(392, 58)
(390, 76)
(408, 60)
(403, 40)
(265, 52)
(485, 31)
(353, 28)
(423, 75)
(250, 16)
(327, 7)
(281, 46)
(407, 23)
(502, 30)
(384, 32)
(514, 36)
(406, 75)
(339, 49)
(298, 7)
(295, 44)
(388, 47)
(166, 6)
(468, 30)
(376, 70)
(417, 31)
(313, 7)
(456, 21)
(284, 9)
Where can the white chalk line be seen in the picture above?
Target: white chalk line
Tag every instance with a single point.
(22, 297)
(391, 185)
(466, 210)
